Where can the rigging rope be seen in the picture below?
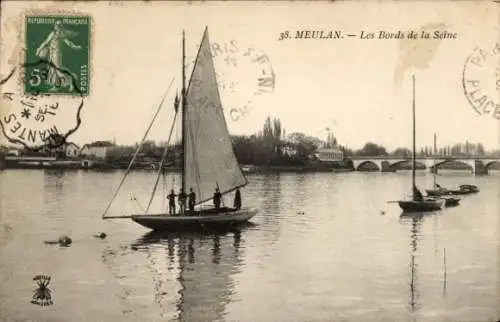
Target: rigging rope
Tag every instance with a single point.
(164, 181)
(173, 176)
(161, 164)
(138, 148)
(133, 198)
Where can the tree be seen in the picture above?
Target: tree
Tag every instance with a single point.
(277, 136)
(331, 141)
(371, 149)
(401, 152)
(304, 145)
(480, 149)
(346, 151)
(244, 149)
(54, 145)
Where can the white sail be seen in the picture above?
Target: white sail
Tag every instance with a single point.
(209, 159)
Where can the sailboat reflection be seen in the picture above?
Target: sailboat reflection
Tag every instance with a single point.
(416, 223)
(205, 263)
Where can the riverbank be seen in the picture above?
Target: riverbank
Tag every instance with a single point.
(2, 161)
(111, 167)
(86, 164)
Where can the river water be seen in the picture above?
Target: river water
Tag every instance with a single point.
(324, 247)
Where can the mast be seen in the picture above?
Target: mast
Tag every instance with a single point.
(414, 143)
(183, 110)
(434, 170)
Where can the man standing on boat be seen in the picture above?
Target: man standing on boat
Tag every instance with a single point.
(182, 201)
(217, 198)
(237, 199)
(171, 202)
(192, 200)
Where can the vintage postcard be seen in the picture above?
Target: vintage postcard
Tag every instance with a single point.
(249, 161)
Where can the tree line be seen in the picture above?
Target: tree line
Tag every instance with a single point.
(273, 146)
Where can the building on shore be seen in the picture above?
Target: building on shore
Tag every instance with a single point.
(13, 152)
(71, 150)
(329, 154)
(96, 150)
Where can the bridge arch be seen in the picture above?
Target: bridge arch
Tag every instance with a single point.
(358, 165)
(398, 162)
(490, 163)
(469, 163)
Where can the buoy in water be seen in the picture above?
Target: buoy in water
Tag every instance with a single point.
(101, 235)
(65, 241)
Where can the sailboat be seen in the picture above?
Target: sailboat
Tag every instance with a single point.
(208, 159)
(450, 201)
(437, 190)
(418, 203)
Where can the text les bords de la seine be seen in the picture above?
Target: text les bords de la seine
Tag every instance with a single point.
(367, 35)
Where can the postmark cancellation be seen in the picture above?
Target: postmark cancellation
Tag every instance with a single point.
(42, 98)
(481, 80)
(243, 73)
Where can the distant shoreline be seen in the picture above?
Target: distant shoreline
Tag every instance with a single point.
(247, 169)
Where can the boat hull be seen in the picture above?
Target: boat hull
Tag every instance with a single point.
(451, 201)
(198, 220)
(421, 206)
(462, 190)
(437, 192)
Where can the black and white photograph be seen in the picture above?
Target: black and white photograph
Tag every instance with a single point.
(250, 161)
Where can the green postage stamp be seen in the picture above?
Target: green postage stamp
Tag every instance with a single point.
(57, 57)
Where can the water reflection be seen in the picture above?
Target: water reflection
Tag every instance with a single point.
(205, 263)
(54, 181)
(270, 197)
(300, 193)
(416, 220)
(55, 189)
(270, 191)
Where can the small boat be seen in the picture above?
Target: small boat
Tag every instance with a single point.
(464, 189)
(469, 188)
(208, 158)
(418, 203)
(439, 191)
(425, 204)
(450, 201)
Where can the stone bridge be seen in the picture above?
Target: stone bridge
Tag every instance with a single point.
(477, 165)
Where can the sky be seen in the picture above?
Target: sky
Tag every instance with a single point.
(360, 89)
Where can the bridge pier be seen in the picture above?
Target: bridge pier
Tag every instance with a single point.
(479, 168)
(385, 166)
(433, 169)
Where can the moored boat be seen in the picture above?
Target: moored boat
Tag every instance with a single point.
(450, 201)
(418, 203)
(425, 204)
(465, 189)
(438, 191)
